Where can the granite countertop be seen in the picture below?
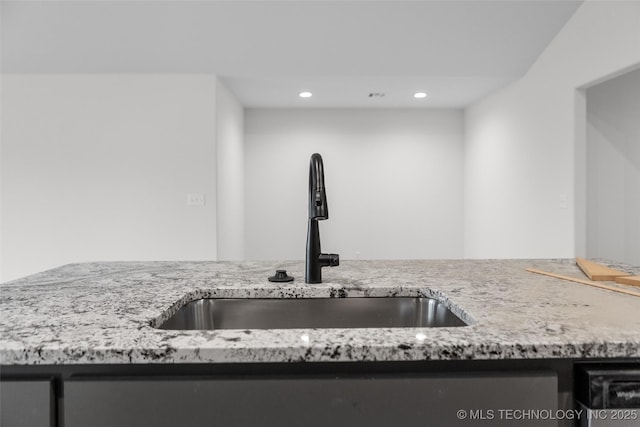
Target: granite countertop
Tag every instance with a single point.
(99, 313)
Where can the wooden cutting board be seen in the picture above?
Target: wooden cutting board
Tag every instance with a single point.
(584, 282)
(629, 280)
(599, 272)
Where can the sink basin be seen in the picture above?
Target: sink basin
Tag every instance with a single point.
(278, 313)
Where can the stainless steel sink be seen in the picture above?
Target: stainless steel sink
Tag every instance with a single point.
(277, 313)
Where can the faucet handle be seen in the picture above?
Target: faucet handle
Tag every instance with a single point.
(329, 260)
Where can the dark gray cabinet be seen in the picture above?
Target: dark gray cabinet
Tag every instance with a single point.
(322, 400)
(27, 403)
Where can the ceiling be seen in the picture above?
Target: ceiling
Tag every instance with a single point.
(268, 51)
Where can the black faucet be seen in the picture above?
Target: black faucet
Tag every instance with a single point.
(317, 211)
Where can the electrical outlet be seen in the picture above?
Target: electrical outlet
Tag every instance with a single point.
(195, 199)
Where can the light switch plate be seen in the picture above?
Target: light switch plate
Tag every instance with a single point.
(564, 201)
(195, 199)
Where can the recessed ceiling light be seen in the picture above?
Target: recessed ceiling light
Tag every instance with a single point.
(305, 94)
(420, 95)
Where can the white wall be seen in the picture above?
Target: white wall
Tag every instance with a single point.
(393, 179)
(613, 169)
(520, 146)
(230, 174)
(97, 167)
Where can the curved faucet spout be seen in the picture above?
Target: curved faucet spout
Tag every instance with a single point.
(317, 195)
(318, 210)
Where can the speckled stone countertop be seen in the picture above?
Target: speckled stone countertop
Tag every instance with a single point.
(99, 313)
